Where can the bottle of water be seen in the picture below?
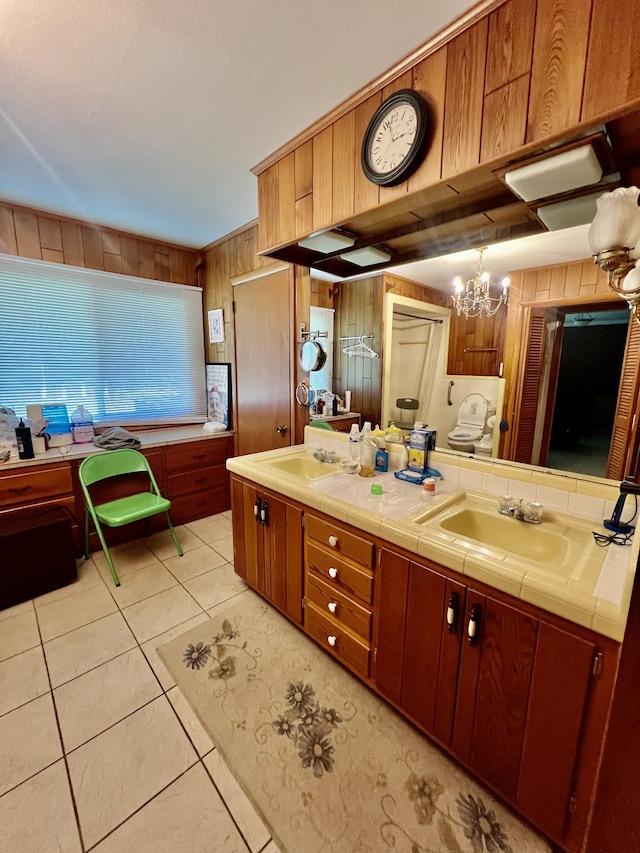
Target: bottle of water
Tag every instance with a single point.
(354, 444)
(368, 449)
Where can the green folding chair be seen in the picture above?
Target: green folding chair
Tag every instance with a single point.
(122, 511)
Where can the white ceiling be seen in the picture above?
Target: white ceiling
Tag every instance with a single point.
(147, 115)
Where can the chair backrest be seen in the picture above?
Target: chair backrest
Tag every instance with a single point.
(407, 403)
(113, 463)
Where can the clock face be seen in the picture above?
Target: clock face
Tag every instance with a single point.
(393, 138)
(394, 142)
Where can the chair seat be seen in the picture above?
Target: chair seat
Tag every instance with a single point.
(133, 508)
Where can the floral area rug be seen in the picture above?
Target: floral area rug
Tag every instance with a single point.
(330, 766)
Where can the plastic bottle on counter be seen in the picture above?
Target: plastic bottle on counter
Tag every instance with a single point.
(82, 426)
(367, 453)
(24, 442)
(382, 458)
(354, 444)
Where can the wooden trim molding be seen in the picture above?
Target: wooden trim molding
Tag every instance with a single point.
(236, 233)
(280, 266)
(446, 34)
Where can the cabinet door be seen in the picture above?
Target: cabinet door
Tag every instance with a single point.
(522, 693)
(416, 652)
(283, 556)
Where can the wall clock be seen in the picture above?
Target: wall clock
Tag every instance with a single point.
(394, 143)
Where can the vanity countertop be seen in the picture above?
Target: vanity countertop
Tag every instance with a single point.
(594, 593)
(148, 439)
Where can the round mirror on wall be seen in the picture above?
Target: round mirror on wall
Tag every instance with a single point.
(312, 356)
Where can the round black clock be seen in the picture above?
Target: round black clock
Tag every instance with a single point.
(395, 140)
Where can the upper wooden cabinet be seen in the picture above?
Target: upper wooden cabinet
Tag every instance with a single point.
(503, 86)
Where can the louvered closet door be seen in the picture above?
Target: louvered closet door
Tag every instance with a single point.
(530, 381)
(623, 453)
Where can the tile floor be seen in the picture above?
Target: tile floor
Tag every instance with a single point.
(85, 704)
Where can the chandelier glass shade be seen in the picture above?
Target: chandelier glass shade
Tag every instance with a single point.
(474, 298)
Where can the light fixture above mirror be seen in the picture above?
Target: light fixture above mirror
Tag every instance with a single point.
(614, 240)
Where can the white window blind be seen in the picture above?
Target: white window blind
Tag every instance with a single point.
(130, 350)
(321, 320)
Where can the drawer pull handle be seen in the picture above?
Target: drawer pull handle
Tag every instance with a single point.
(332, 607)
(333, 541)
(19, 491)
(333, 573)
(331, 640)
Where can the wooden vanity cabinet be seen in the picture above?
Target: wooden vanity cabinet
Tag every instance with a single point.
(339, 587)
(197, 481)
(267, 545)
(518, 698)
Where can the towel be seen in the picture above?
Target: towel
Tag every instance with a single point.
(115, 438)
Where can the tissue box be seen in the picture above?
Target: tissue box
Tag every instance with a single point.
(421, 441)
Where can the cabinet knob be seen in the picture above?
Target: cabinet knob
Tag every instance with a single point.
(332, 606)
(452, 612)
(281, 429)
(333, 541)
(333, 573)
(331, 640)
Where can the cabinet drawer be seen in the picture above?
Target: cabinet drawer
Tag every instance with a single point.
(339, 607)
(200, 504)
(348, 648)
(348, 577)
(195, 481)
(17, 489)
(197, 454)
(346, 544)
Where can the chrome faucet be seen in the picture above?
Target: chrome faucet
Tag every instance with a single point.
(531, 512)
(323, 455)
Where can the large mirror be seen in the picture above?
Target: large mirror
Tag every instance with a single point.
(584, 344)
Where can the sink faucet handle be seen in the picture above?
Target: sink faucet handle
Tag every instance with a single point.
(506, 503)
(534, 510)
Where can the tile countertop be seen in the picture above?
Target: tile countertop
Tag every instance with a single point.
(597, 597)
(149, 438)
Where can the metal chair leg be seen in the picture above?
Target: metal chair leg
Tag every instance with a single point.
(112, 568)
(173, 536)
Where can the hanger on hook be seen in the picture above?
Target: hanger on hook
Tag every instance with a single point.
(360, 348)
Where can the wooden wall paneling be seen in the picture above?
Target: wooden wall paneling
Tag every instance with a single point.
(608, 84)
(27, 234)
(464, 98)
(321, 293)
(92, 242)
(429, 78)
(112, 263)
(510, 43)
(572, 280)
(146, 265)
(346, 158)
(111, 243)
(268, 206)
(303, 188)
(557, 281)
(404, 81)
(365, 193)
(50, 233)
(73, 247)
(322, 183)
(300, 314)
(504, 119)
(8, 243)
(161, 265)
(557, 72)
(287, 198)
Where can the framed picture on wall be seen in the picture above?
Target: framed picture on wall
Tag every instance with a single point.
(218, 379)
(216, 326)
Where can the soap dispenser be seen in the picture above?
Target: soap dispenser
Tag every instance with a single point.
(354, 444)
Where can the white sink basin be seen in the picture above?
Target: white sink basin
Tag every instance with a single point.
(303, 466)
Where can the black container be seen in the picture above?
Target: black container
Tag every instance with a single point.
(25, 445)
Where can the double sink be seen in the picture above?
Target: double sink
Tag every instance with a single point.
(557, 545)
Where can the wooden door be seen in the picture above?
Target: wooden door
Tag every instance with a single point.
(529, 385)
(263, 335)
(623, 452)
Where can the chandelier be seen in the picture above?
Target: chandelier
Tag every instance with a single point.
(475, 299)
